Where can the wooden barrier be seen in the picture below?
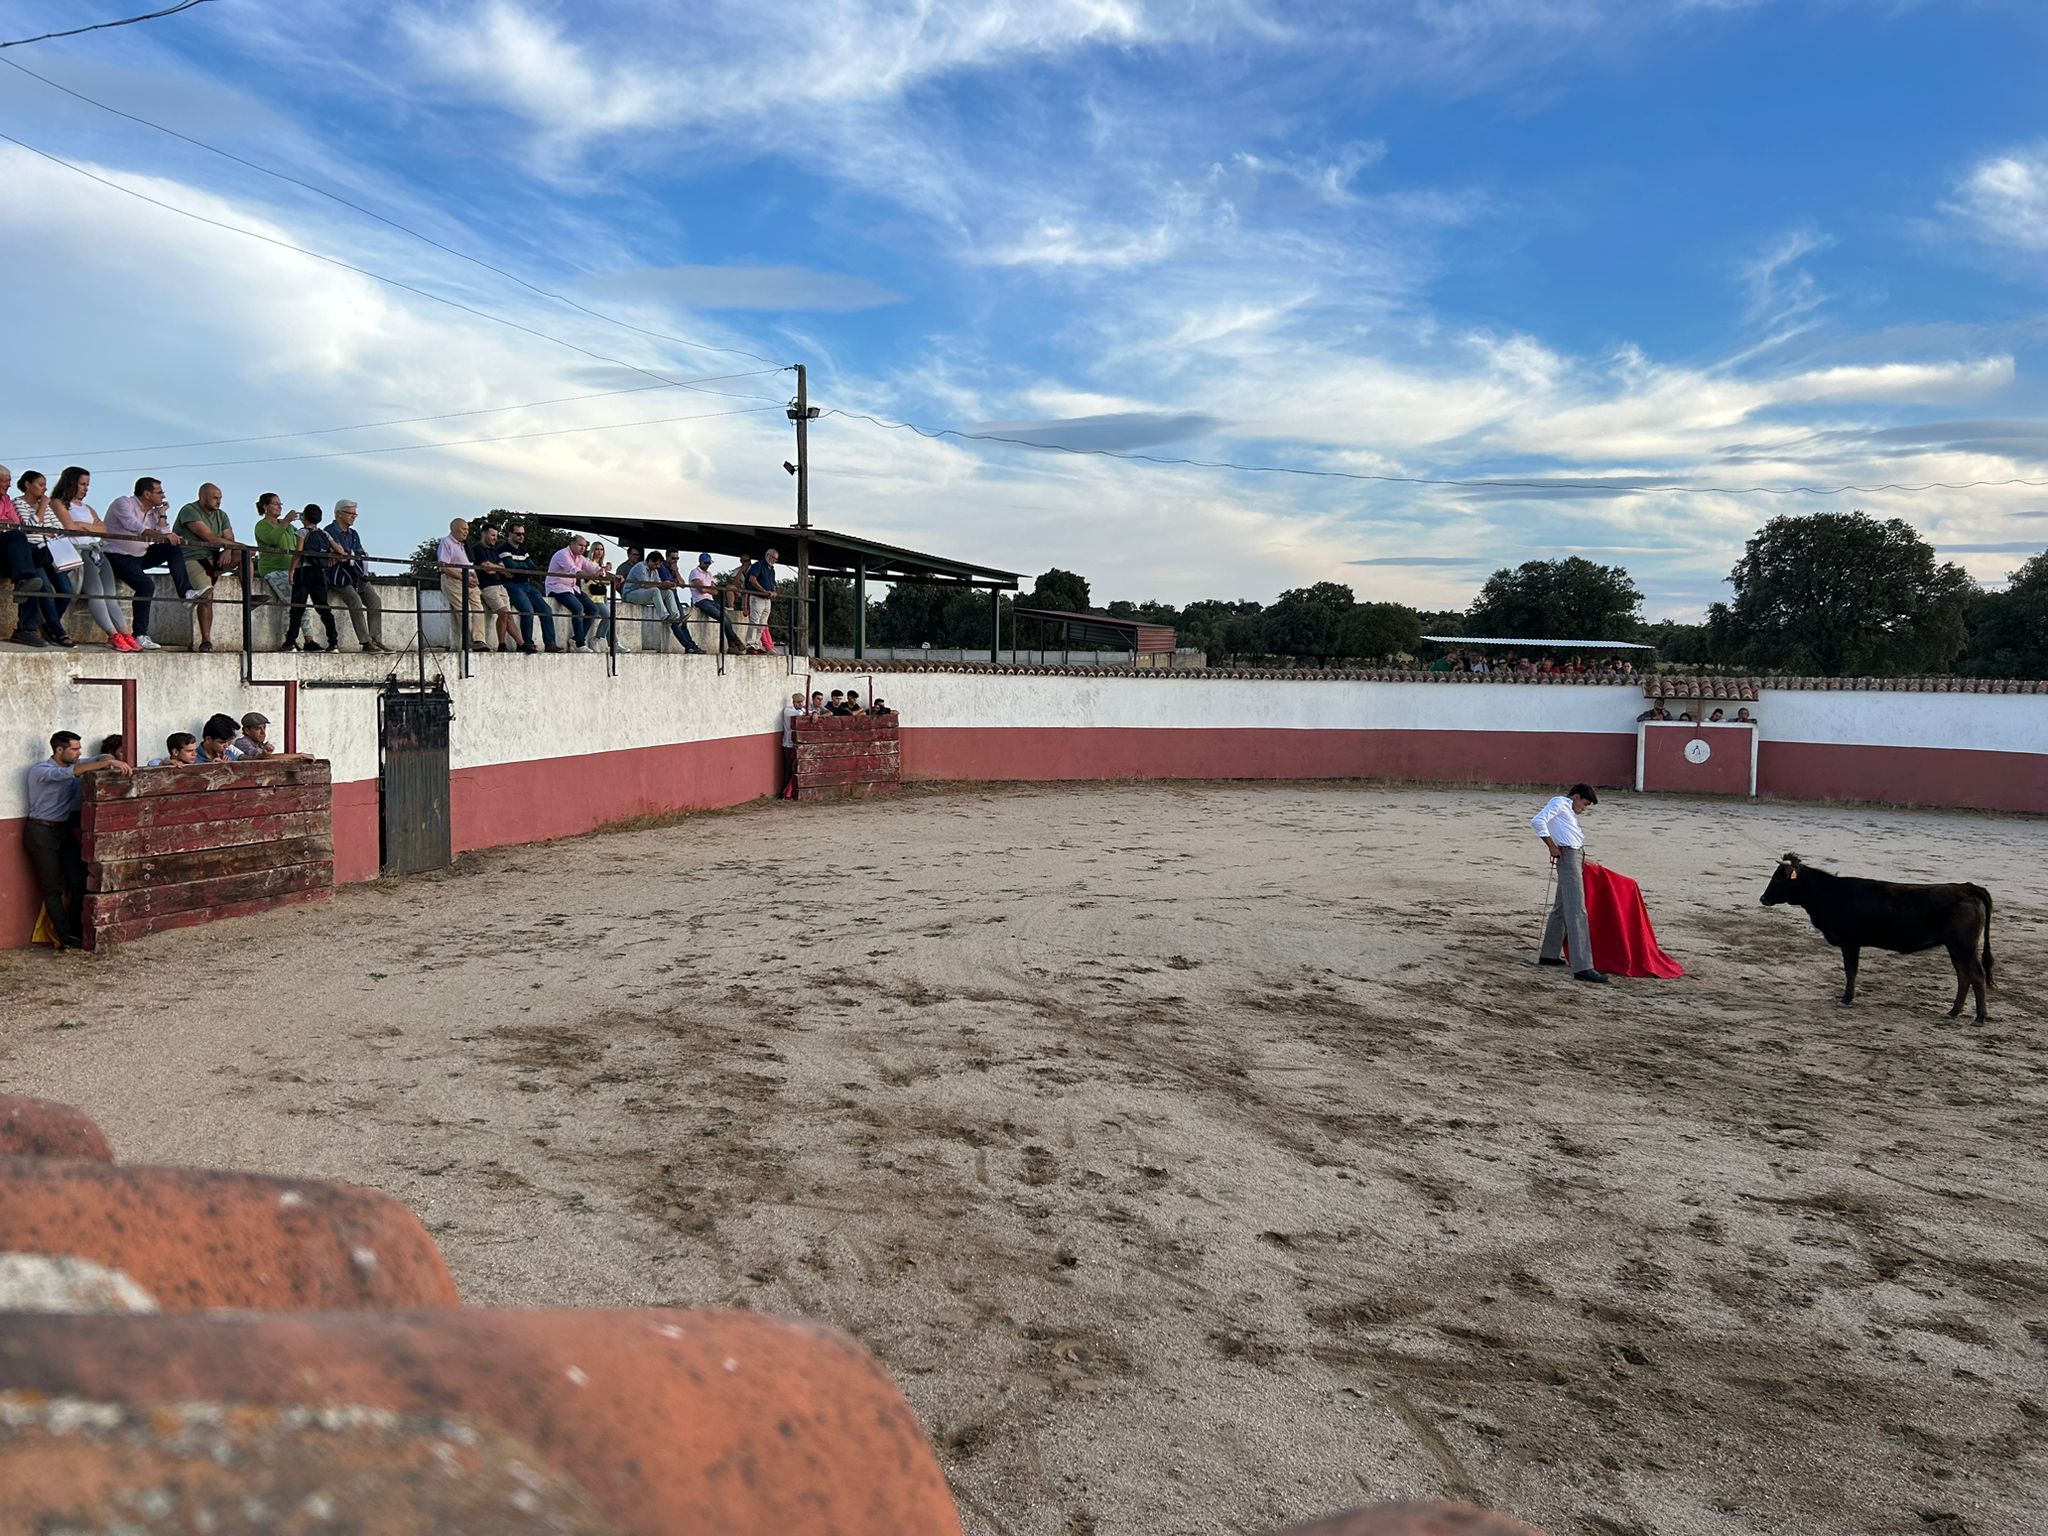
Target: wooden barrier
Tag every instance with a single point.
(841, 756)
(173, 847)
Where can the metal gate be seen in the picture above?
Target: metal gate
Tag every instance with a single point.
(412, 778)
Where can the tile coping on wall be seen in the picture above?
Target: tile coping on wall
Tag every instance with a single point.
(1665, 687)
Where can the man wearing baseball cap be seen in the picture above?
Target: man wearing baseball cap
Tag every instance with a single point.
(704, 599)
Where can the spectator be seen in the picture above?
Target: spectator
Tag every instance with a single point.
(851, 704)
(491, 575)
(181, 750)
(275, 545)
(522, 586)
(349, 579)
(571, 563)
(792, 712)
(82, 531)
(1687, 719)
(216, 740)
(1479, 666)
(650, 583)
(255, 738)
(836, 705)
(50, 834)
(1717, 717)
(35, 611)
(599, 587)
(111, 746)
(139, 538)
(879, 708)
(704, 600)
(61, 564)
(817, 704)
(311, 562)
(1744, 717)
(458, 585)
(1656, 711)
(206, 547)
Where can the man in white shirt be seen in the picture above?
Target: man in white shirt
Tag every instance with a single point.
(792, 712)
(1558, 825)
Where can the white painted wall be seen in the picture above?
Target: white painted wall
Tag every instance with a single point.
(516, 708)
(1985, 722)
(983, 699)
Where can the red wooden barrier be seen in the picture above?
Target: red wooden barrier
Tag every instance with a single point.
(172, 847)
(842, 756)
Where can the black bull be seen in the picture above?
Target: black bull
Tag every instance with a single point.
(1854, 915)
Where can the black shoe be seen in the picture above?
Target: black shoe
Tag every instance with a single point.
(288, 645)
(58, 637)
(1589, 976)
(30, 638)
(206, 645)
(312, 647)
(528, 649)
(1546, 960)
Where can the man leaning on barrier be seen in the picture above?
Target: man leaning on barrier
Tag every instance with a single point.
(522, 586)
(50, 835)
(181, 750)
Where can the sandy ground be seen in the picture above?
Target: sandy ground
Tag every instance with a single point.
(1197, 1158)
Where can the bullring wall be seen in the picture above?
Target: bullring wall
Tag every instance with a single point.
(549, 746)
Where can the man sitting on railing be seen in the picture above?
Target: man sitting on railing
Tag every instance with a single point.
(493, 576)
(522, 586)
(138, 538)
(651, 583)
(569, 564)
(207, 546)
(704, 600)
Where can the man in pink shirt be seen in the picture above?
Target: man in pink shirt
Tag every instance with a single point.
(139, 536)
(566, 570)
(458, 583)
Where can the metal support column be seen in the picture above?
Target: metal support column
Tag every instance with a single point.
(860, 608)
(995, 639)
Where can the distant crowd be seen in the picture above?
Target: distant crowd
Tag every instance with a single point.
(1511, 663)
(57, 550)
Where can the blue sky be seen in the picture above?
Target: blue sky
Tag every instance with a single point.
(1706, 241)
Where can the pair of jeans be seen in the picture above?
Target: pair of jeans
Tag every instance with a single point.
(310, 584)
(365, 611)
(671, 611)
(54, 855)
(710, 606)
(528, 603)
(585, 627)
(134, 573)
(33, 607)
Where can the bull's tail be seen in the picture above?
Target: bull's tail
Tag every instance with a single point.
(1984, 958)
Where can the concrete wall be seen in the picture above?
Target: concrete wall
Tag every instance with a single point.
(550, 746)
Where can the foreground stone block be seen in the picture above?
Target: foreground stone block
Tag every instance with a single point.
(70, 1465)
(45, 1128)
(672, 1422)
(195, 1237)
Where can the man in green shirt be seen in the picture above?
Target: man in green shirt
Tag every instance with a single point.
(276, 543)
(206, 546)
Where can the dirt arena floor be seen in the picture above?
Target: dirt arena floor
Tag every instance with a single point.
(1198, 1158)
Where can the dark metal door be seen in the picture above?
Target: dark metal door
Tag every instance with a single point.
(412, 750)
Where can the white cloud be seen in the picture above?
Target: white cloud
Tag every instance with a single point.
(2004, 199)
(1781, 289)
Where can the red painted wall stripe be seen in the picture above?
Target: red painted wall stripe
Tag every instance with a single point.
(1958, 777)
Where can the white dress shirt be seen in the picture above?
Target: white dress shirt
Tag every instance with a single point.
(1559, 823)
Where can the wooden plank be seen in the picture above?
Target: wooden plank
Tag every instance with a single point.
(140, 842)
(180, 868)
(114, 908)
(137, 928)
(845, 791)
(185, 781)
(846, 776)
(182, 810)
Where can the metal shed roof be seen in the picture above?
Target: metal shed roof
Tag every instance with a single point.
(832, 554)
(1142, 637)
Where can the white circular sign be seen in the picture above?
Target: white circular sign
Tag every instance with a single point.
(1697, 751)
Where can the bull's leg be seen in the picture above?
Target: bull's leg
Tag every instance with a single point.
(1850, 955)
(1963, 956)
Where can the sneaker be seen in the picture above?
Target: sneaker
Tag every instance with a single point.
(123, 643)
(144, 643)
(30, 638)
(287, 645)
(196, 593)
(311, 646)
(1589, 976)
(529, 649)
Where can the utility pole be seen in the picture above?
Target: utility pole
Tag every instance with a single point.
(803, 413)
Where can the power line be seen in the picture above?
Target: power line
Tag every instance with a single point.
(1653, 488)
(371, 213)
(464, 442)
(101, 26)
(401, 421)
(348, 266)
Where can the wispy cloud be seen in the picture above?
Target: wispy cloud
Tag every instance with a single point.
(2004, 199)
(767, 287)
(1781, 288)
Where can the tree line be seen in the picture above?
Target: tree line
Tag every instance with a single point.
(1831, 594)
